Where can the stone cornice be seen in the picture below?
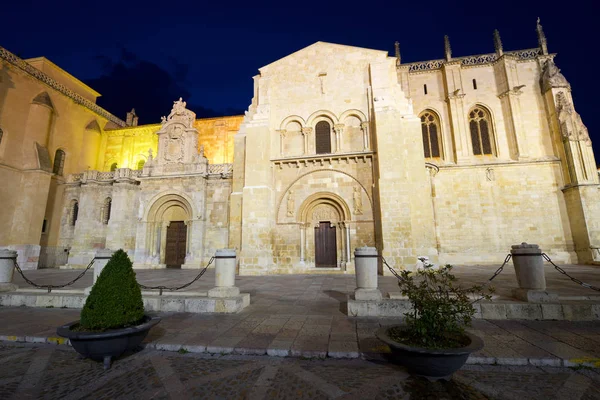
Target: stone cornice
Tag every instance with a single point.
(39, 75)
(472, 61)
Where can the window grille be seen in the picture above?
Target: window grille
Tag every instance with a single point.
(323, 137)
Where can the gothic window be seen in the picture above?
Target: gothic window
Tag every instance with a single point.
(113, 167)
(59, 162)
(106, 210)
(140, 164)
(430, 128)
(481, 131)
(323, 137)
(74, 212)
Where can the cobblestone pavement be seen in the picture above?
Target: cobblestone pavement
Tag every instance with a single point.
(257, 331)
(55, 372)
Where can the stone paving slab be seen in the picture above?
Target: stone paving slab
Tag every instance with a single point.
(43, 371)
(507, 342)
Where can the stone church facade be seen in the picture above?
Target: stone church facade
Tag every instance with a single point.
(341, 147)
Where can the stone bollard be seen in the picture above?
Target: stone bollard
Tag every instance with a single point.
(225, 263)
(529, 269)
(7, 270)
(100, 260)
(365, 265)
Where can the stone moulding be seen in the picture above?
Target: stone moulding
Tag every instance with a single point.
(475, 60)
(324, 159)
(36, 73)
(224, 171)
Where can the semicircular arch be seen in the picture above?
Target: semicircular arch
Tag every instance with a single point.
(328, 198)
(353, 113)
(162, 201)
(321, 113)
(292, 118)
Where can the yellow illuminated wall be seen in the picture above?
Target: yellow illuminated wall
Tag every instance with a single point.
(128, 146)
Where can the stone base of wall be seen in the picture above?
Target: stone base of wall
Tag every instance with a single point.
(566, 310)
(177, 302)
(28, 255)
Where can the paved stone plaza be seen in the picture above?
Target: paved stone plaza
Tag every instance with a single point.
(316, 350)
(55, 372)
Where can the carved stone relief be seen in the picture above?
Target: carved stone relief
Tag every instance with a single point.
(324, 212)
(357, 200)
(571, 125)
(290, 204)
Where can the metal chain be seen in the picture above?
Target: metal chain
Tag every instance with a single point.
(562, 271)
(498, 271)
(50, 287)
(392, 270)
(172, 289)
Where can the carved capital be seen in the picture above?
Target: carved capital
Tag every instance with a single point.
(338, 128)
(364, 125)
(307, 130)
(282, 132)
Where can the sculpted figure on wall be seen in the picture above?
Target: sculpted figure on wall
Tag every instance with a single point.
(358, 206)
(290, 204)
(571, 125)
(552, 78)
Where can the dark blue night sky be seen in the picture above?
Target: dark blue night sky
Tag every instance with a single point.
(141, 55)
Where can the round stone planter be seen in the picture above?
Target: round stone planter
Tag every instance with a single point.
(433, 364)
(108, 344)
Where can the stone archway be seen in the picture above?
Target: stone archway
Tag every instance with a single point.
(168, 232)
(324, 228)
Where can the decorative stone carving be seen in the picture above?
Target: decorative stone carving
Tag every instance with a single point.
(571, 125)
(178, 144)
(552, 78)
(323, 212)
(489, 174)
(357, 199)
(291, 204)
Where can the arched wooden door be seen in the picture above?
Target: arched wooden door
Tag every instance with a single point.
(325, 245)
(176, 244)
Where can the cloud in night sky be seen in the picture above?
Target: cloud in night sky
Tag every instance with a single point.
(131, 82)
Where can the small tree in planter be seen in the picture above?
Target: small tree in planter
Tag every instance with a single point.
(433, 341)
(112, 319)
(116, 298)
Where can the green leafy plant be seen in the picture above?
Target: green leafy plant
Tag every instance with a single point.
(441, 308)
(115, 300)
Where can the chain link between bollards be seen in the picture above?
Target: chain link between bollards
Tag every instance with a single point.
(50, 287)
(172, 289)
(562, 271)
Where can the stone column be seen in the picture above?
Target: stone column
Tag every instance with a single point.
(347, 242)
(365, 262)
(306, 131)
(282, 133)
(365, 129)
(529, 268)
(100, 260)
(338, 128)
(7, 269)
(225, 263)
(302, 241)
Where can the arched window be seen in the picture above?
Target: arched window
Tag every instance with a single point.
(480, 125)
(113, 167)
(106, 210)
(59, 162)
(74, 212)
(323, 137)
(430, 128)
(140, 164)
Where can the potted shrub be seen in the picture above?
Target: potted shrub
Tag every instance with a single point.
(112, 319)
(433, 342)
